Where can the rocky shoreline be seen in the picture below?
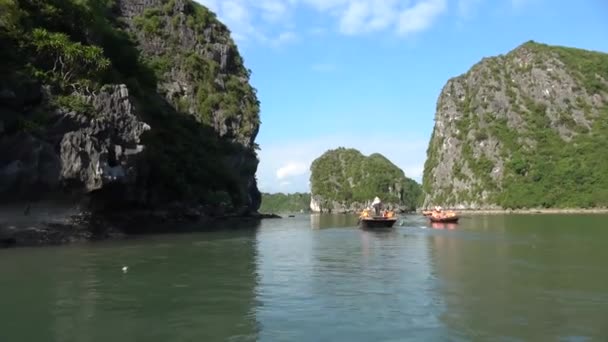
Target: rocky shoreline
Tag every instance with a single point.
(531, 211)
(88, 227)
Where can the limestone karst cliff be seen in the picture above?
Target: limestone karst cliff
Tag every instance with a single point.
(127, 104)
(524, 129)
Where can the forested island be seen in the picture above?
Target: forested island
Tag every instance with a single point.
(345, 180)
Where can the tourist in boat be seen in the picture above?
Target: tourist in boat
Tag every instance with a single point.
(377, 205)
(365, 213)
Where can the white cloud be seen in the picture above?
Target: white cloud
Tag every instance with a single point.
(271, 22)
(421, 16)
(249, 20)
(291, 169)
(262, 20)
(272, 10)
(284, 37)
(383, 14)
(365, 16)
(353, 19)
(408, 154)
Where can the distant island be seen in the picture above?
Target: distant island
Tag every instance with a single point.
(344, 180)
(528, 129)
(285, 203)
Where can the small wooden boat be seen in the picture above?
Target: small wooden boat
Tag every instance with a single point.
(377, 222)
(444, 218)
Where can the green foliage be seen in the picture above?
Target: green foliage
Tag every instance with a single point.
(74, 103)
(285, 203)
(411, 194)
(67, 60)
(481, 135)
(590, 67)
(345, 175)
(432, 160)
(150, 21)
(9, 15)
(199, 17)
(558, 174)
(160, 64)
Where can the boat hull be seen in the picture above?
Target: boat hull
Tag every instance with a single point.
(377, 222)
(444, 219)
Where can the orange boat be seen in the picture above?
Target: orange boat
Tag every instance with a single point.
(444, 218)
(440, 216)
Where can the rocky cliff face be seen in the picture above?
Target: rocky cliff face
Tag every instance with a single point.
(343, 180)
(525, 129)
(72, 151)
(127, 103)
(198, 66)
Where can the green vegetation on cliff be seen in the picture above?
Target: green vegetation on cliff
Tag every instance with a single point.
(182, 69)
(558, 174)
(346, 176)
(285, 203)
(530, 129)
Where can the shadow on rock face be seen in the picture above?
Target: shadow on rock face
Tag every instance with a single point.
(146, 139)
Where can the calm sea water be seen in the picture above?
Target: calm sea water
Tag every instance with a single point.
(319, 278)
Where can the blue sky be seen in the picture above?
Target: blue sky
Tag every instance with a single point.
(367, 73)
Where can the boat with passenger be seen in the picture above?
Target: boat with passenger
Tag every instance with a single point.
(386, 220)
(381, 219)
(438, 215)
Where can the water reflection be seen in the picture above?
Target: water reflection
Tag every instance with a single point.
(322, 221)
(178, 287)
(332, 283)
(449, 226)
(284, 254)
(523, 278)
(369, 236)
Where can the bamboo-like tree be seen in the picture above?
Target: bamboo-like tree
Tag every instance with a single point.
(70, 61)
